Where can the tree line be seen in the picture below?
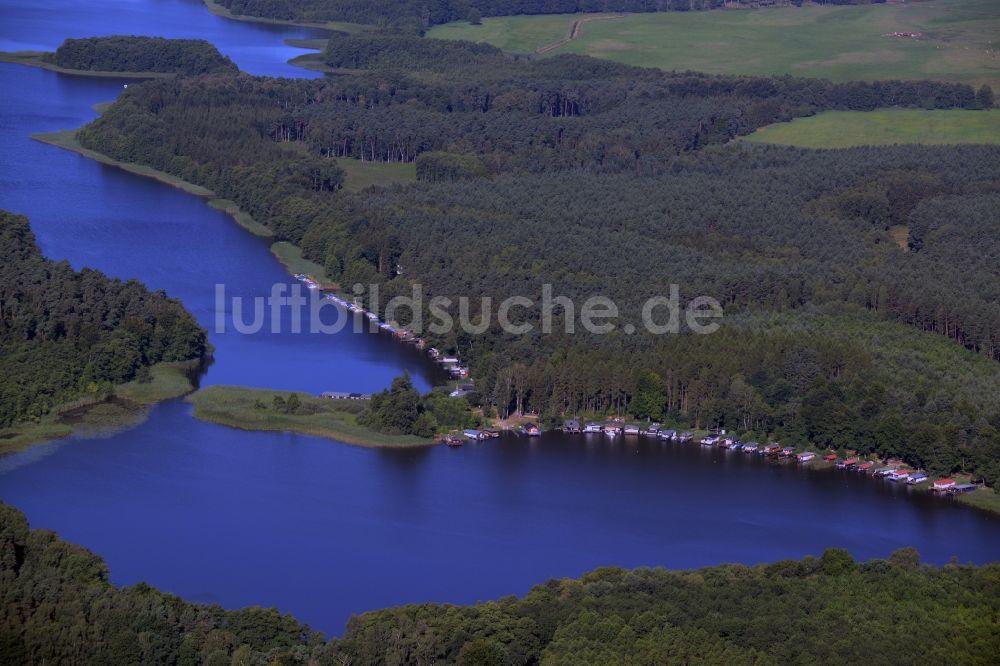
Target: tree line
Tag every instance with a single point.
(401, 410)
(65, 334)
(58, 606)
(121, 53)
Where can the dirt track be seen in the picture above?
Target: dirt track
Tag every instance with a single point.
(574, 32)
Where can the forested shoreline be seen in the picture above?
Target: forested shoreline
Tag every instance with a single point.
(58, 606)
(129, 53)
(599, 178)
(70, 334)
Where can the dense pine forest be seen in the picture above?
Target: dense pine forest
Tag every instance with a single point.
(65, 334)
(142, 54)
(58, 607)
(417, 15)
(599, 178)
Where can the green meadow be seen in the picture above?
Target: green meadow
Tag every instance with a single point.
(961, 40)
(358, 175)
(846, 129)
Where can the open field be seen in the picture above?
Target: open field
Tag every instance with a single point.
(360, 175)
(845, 129)
(961, 40)
(252, 409)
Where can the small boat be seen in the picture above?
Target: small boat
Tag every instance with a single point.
(883, 472)
(632, 429)
(653, 430)
(736, 445)
(667, 434)
(453, 440)
(592, 427)
(685, 437)
(711, 440)
(491, 434)
(612, 429)
(751, 447)
(916, 477)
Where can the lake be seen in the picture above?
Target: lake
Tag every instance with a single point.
(323, 530)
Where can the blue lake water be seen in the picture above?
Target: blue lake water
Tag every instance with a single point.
(324, 530)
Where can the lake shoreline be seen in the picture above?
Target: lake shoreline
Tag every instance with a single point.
(35, 59)
(332, 26)
(126, 407)
(289, 255)
(255, 409)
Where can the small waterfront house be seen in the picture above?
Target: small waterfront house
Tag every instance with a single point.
(572, 425)
(631, 429)
(667, 434)
(963, 488)
(806, 456)
(592, 427)
(943, 485)
(916, 477)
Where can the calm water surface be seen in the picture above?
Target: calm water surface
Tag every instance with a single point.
(324, 530)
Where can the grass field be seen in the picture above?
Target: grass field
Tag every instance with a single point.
(845, 129)
(252, 409)
(841, 43)
(360, 175)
